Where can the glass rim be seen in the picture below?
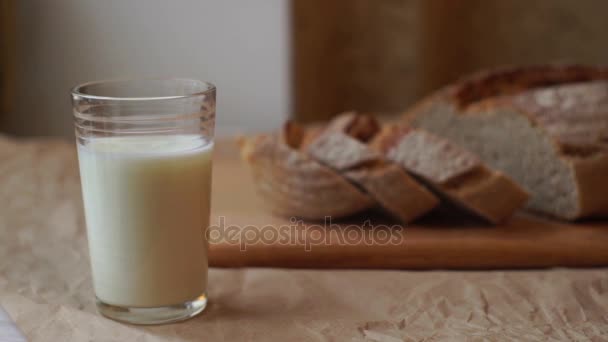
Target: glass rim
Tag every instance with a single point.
(77, 89)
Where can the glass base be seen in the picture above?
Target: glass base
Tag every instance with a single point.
(157, 315)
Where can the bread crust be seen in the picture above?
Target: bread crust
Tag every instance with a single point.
(543, 95)
(512, 80)
(591, 177)
(342, 147)
(459, 175)
(293, 184)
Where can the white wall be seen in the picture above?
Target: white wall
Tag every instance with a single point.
(239, 45)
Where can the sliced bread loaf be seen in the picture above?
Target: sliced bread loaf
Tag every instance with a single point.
(342, 146)
(453, 172)
(545, 126)
(291, 183)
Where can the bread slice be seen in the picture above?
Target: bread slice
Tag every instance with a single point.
(342, 146)
(545, 126)
(291, 183)
(452, 171)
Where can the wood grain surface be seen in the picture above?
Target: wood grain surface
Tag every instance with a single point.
(442, 241)
(381, 56)
(7, 59)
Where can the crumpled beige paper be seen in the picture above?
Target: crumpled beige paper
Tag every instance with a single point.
(45, 284)
(50, 322)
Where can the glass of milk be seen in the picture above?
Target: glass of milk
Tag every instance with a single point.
(144, 149)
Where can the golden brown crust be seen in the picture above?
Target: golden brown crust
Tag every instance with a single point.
(361, 127)
(494, 197)
(395, 191)
(389, 136)
(592, 179)
(292, 134)
(342, 147)
(292, 184)
(514, 80)
(452, 171)
(567, 103)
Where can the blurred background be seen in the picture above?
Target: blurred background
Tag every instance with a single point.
(273, 59)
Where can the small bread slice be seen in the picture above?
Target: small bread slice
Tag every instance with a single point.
(292, 184)
(453, 172)
(546, 126)
(342, 146)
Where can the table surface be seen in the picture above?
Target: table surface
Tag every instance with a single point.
(45, 282)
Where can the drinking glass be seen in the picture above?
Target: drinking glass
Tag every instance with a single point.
(144, 151)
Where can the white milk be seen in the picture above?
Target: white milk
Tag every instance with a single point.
(147, 206)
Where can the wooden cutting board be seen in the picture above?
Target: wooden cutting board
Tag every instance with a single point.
(253, 237)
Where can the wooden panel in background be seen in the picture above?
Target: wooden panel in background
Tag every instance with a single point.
(459, 37)
(381, 56)
(7, 57)
(353, 54)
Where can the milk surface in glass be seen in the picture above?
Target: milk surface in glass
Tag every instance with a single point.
(146, 204)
